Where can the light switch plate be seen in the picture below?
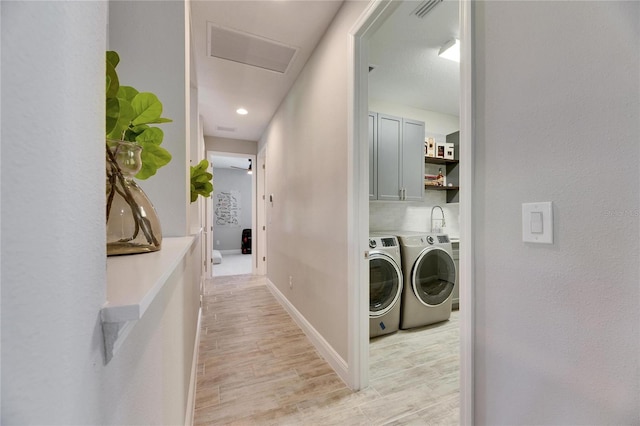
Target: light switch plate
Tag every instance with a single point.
(537, 222)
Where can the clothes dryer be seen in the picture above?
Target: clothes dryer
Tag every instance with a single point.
(385, 284)
(429, 278)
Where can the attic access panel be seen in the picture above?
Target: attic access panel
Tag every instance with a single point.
(249, 49)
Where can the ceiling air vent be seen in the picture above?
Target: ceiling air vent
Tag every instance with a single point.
(249, 49)
(425, 7)
(225, 129)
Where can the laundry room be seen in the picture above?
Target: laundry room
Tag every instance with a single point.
(412, 82)
(414, 168)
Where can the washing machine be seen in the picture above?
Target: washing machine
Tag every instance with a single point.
(385, 284)
(429, 278)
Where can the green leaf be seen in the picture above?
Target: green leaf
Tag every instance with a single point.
(128, 113)
(202, 178)
(208, 188)
(153, 157)
(113, 58)
(112, 113)
(147, 108)
(138, 129)
(203, 165)
(124, 118)
(151, 135)
(127, 92)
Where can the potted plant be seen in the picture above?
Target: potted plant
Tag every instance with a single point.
(200, 180)
(132, 150)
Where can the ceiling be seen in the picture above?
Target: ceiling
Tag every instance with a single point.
(224, 85)
(404, 51)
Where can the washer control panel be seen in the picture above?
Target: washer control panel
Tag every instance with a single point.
(383, 242)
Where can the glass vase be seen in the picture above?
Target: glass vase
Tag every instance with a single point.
(132, 222)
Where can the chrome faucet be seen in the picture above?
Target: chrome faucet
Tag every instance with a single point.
(433, 230)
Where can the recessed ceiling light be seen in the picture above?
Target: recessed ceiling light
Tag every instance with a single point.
(242, 111)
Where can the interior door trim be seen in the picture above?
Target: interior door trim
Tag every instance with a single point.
(466, 275)
(358, 200)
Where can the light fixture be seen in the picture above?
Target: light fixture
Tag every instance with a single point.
(451, 50)
(242, 111)
(249, 171)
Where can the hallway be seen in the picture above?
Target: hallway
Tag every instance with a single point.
(257, 367)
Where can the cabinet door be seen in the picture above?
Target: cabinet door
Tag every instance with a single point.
(373, 155)
(412, 159)
(389, 139)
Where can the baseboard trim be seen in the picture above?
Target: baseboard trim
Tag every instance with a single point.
(326, 350)
(236, 251)
(191, 396)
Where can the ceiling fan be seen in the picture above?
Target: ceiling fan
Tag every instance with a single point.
(248, 169)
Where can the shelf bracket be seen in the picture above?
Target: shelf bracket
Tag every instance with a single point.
(114, 334)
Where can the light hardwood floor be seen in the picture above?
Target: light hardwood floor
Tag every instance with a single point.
(256, 367)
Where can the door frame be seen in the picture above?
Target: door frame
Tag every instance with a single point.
(261, 212)
(254, 202)
(358, 199)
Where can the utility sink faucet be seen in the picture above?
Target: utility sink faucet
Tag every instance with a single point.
(442, 224)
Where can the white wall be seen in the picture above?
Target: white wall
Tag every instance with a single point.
(557, 119)
(53, 240)
(415, 216)
(238, 146)
(225, 237)
(148, 380)
(53, 219)
(152, 40)
(307, 174)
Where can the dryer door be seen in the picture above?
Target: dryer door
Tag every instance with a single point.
(433, 276)
(385, 284)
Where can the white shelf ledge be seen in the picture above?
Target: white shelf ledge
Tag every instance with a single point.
(133, 282)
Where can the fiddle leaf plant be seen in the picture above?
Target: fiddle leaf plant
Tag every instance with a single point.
(201, 180)
(128, 116)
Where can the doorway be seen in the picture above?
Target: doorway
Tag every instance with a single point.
(362, 32)
(233, 213)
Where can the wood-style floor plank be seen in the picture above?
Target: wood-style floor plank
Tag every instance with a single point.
(256, 367)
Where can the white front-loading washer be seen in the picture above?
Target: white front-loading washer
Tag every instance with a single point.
(385, 284)
(429, 278)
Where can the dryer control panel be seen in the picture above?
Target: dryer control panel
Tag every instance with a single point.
(442, 239)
